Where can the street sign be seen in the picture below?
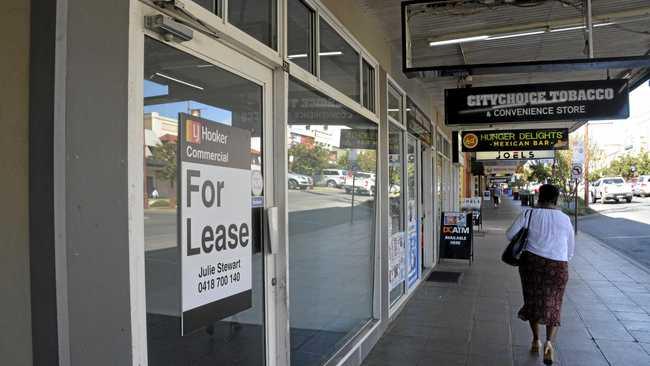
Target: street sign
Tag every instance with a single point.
(576, 171)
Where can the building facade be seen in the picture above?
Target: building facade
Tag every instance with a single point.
(312, 84)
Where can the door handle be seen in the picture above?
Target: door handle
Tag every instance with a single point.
(274, 230)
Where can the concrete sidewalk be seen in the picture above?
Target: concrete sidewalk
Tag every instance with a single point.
(605, 317)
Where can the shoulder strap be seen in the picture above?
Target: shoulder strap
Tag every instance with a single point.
(529, 217)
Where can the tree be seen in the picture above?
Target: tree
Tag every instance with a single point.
(539, 172)
(165, 155)
(308, 160)
(367, 160)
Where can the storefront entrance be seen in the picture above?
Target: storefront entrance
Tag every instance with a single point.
(203, 79)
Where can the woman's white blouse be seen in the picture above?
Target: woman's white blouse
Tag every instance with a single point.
(550, 234)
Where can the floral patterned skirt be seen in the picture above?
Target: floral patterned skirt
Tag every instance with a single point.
(543, 282)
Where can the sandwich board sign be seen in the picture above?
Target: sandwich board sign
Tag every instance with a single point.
(214, 221)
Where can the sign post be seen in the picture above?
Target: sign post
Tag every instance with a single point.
(214, 221)
(456, 236)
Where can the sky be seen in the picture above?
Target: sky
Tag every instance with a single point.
(616, 132)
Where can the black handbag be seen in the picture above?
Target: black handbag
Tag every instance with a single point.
(512, 254)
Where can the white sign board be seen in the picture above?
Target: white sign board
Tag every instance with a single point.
(515, 155)
(473, 203)
(578, 153)
(214, 221)
(576, 171)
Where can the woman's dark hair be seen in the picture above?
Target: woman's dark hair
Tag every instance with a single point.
(548, 194)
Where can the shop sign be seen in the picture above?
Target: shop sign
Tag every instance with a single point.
(515, 155)
(358, 139)
(471, 203)
(214, 225)
(456, 233)
(495, 180)
(499, 170)
(396, 265)
(580, 100)
(508, 140)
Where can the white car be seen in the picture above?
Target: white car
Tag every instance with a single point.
(331, 178)
(642, 186)
(299, 181)
(363, 183)
(612, 188)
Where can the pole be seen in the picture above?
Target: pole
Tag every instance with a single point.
(589, 28)
(585, 168)
(575, 208)
(354, 176)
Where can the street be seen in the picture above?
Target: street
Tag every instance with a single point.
(622, 226)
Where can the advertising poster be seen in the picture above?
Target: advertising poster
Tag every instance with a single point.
(396, 262)
(579, 100)
(214, 228)
(506, 140)
(413, 247)
(456, 235)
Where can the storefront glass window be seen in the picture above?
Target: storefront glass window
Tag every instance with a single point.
(339, 62)
(214, 6)
(300, 21)
(176, 82)
(368, 86)
(394, 104)
(396, 234)
(412, 217)
(258, 18)
(331, 226)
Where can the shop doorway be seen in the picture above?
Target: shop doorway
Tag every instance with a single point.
(205, 79)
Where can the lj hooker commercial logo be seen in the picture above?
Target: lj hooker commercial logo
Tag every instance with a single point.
(193, 132)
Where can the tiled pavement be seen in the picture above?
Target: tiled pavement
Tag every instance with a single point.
(605, 317)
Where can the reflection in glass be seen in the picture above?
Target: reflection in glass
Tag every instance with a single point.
(331, 227)
(214, 6)
(394, 104)
(396, 250)
(176, 82)
(339, 62)
(258, 18)
(368, 99)
(299, 36)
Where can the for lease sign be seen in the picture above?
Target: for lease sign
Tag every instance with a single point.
(214, 221)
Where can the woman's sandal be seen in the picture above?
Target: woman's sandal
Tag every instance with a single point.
(535, 346)
(549, 353)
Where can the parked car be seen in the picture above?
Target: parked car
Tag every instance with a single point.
(299, 181)
(363, 183)
(613, 188)
(331, 178)
(642, 186)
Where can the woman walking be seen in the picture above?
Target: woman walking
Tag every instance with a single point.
(543, 266)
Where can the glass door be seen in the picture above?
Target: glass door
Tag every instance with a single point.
(413, 223)
(203, 83)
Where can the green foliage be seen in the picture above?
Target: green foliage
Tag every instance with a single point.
(539, 172)
(165, 154)
(622, 166)
(308, 159)
(367, 161)
(161, 202)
